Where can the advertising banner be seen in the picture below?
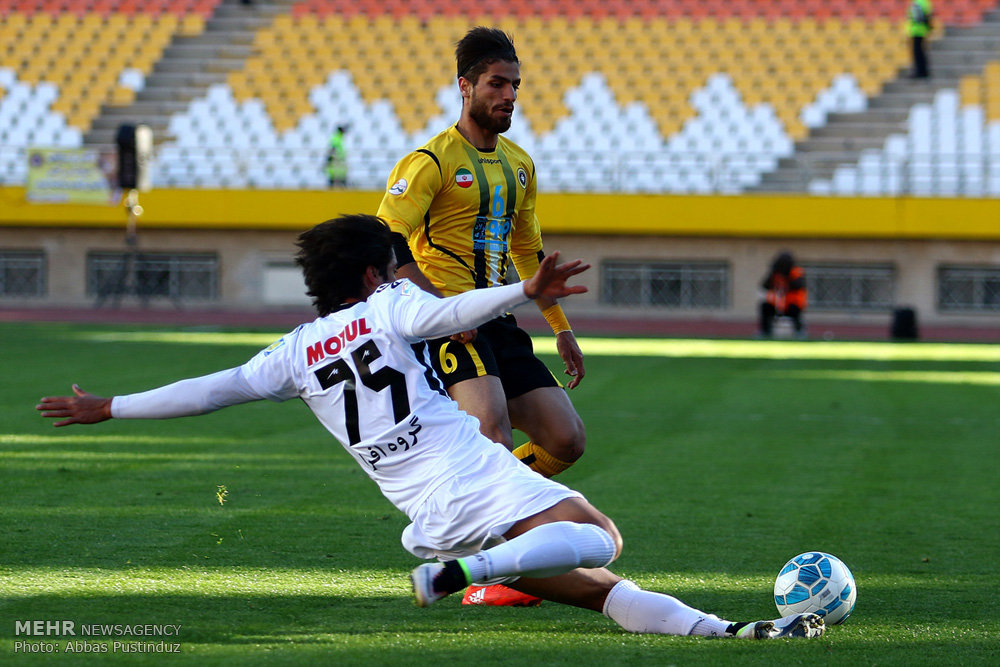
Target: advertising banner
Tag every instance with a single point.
(68, 176)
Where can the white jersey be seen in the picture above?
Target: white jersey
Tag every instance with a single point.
(365, 374)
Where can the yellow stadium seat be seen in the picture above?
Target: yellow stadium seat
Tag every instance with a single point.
(62, 104)
(16, 21)
(306, 22)
(869, 81)
(993, 109)
(121, 96)
(808, 27)
(116, 23)
(283, 22)
(970, 90)
(191, 25)
(141, 23)
(42, 22)
(239, 83)
(166, 23)
(732, 27)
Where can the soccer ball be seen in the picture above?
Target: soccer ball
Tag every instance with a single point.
(816, 582)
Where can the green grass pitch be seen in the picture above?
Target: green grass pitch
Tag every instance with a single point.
(718, 460)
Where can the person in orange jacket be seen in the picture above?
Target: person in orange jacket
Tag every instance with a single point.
(786, 295)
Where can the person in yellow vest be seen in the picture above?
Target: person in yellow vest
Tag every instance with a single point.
(462, 210)
(336, 159)
(918, 25)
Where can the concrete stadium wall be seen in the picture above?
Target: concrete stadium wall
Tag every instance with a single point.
(253, 233)
(748, 258)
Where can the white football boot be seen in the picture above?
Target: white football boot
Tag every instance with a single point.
(422, 578)
(808, 626)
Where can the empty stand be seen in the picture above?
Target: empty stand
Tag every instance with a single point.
(84, 53)
(891, 139)
(787, 71)
(633, 95)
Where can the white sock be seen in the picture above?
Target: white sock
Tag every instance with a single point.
(637, 610)
(545, 551)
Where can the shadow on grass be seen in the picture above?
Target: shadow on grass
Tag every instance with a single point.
(226, 618)
(241, 619)
(376, 629)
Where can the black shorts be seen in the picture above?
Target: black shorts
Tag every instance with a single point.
(501, 349)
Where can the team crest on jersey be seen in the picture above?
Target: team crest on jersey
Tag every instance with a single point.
(522, 177)
(399, 187)
(464, 178)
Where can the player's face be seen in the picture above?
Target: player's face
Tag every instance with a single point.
(491, 100)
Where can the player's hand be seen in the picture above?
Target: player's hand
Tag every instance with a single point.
(569, 352)
(550, 279)
(464, 337)
(81, 408)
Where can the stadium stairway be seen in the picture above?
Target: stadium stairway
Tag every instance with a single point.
(190, 64)
(960, 51)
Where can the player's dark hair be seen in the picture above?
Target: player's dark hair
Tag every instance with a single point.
(480, 48)
(335, 254)
(783, 263)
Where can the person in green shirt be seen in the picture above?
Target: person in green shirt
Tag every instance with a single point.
(918, 25)
(336, 159)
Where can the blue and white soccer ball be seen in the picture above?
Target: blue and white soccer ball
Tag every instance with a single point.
(816, 582)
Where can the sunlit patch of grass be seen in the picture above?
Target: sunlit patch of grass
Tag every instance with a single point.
(207, 581)
(66, 438)
(182, 337)
(759, 349)
(929, 377)
(679, 347)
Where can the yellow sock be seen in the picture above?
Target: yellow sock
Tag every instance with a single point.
(540, 460)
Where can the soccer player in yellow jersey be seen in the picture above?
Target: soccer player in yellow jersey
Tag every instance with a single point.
(462, 209)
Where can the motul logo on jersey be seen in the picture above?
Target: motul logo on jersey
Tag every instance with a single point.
(334, 344)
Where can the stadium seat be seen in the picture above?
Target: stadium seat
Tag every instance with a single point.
(77, 41)
(700, 70)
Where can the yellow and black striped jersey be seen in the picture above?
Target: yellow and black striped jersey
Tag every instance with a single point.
(466, 212)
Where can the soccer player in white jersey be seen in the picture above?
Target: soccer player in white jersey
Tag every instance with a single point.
(362, 368)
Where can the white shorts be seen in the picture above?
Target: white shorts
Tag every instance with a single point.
(472, 511)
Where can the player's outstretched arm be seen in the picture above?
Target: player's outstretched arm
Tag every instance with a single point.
(412, 272)
(80, 408)
(550, 279)
(433, 318)
(184, 398)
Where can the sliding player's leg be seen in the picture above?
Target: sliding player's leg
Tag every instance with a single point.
(648, 612)
(559, 555)
(482, 397)
(471, 372)
(568, 535)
